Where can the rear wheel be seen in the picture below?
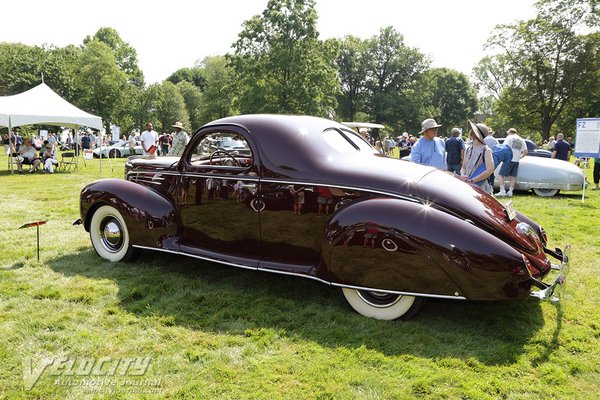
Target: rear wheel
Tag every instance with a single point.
(114, 153)
(545, 192)
(380, 305)
(109, 235)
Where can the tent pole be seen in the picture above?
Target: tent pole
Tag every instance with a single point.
(10, 146)
(100, 136)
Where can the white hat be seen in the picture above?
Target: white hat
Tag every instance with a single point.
(178, 124)
(429, 123)
(405, 134)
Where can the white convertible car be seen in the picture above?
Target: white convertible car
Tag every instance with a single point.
(546, 176)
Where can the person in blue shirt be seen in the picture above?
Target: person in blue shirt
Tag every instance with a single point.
(455, 151)
(429, 149)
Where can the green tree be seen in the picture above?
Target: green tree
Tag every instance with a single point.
(192, 96)
(193, 75)
(170, 107)
(393, 71)
(100, 83)
(125, 55)
(351, 64)
(280, 64)
(549, 63)
(451, 97)
(219, 92)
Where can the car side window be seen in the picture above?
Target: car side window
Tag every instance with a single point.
(222, 150)
(530, 146)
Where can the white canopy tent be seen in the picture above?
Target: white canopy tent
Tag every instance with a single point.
(41, 105)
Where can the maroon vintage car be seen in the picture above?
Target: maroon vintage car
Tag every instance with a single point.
(308, 197)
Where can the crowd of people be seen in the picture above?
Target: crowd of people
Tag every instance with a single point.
(472, 161)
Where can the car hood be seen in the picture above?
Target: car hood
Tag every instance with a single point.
(156, 163)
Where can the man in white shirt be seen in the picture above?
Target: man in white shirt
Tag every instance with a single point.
(149, 138)
(519, 149)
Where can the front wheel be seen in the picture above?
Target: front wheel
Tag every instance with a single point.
(109, 235)
(545, 192)
(380, 305)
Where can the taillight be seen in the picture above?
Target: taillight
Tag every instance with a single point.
(543, 235)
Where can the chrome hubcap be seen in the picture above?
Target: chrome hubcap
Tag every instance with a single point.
(111, 234)
(379, 299)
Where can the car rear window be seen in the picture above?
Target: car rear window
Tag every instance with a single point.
(346, 141)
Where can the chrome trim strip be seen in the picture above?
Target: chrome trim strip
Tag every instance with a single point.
(195, 256)
(275, 271)
(276, 181)
(438, 296)
(342, 187)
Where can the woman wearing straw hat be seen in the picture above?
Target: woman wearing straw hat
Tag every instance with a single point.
(478, 163)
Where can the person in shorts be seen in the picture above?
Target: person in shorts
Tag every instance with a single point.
(325, 200)
(509, 170)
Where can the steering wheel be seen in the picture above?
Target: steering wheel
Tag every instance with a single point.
(226, 154)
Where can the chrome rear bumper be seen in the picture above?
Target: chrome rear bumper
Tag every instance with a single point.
(554, 292)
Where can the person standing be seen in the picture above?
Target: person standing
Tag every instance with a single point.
(491, 142)
(510, 169)
(596, 173)
(149, 138)
(164, 144)
(478, 163)
(429, 149)
(404, 145)
(562, 149)
(455, 151)
(180, 140)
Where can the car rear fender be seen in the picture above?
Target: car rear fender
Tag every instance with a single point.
(150, 217)
(408, 246)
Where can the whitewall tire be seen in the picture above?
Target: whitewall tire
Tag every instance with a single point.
(380, 305)
(545, 192)
(109, 234)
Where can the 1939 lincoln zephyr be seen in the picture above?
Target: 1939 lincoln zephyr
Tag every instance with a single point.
(309, 197)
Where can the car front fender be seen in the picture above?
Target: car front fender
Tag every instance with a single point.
(150, 217)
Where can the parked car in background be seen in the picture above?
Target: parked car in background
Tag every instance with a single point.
(311, 198)
(533, 149)
(546, 176)
(119, 149)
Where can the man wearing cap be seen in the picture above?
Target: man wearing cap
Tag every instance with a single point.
(180, 140)
(404, 145)
(429, 149)
(455, 151)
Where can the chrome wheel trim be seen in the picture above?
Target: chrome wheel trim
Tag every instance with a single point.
(111, 234)
(379, 299)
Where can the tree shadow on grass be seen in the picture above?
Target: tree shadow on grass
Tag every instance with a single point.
(206, 296)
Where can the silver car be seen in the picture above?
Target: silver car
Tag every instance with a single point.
(120, 149)
(546, 176)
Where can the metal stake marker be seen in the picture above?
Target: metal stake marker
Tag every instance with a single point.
(37, 225)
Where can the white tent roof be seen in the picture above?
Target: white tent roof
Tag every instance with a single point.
(41, 105)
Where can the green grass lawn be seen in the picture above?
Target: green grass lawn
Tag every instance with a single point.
(212, 331)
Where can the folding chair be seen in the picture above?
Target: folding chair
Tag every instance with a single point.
(67, 161)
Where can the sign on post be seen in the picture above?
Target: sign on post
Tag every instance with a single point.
(587, 141)
(587, 138)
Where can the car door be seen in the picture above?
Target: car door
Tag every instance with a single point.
(214, 195)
